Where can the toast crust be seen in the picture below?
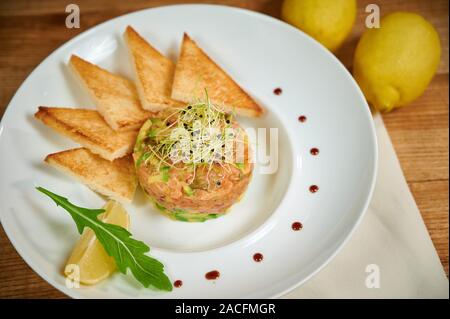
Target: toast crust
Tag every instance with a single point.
(116, 180)
(115, 97)
(196, 71)
(153, 71)
(89, 129)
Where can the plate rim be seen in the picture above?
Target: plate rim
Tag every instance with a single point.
(72, 293)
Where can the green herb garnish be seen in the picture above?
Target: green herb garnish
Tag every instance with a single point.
(152, 133)
(160, 207)
(180, 218)
(143, 158)
(195, 134)
(118, 243)
(165, 173)
(194, 141)
(187, 190)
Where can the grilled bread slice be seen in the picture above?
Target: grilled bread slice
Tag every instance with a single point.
(153, 72)
(195, 72)
(116, 180)
(88, 128)
(116, 98)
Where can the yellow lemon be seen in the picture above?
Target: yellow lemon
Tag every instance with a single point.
(89, 263)
(327, 21)
(394, 64)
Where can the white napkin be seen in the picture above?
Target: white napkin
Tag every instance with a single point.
(391, 242)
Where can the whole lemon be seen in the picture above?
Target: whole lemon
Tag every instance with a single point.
(327, 21)
(394, 64)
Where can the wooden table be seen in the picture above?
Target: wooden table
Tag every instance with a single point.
(31, 30)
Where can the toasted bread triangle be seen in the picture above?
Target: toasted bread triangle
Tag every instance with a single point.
(195, 72)
(154, 73)
(89, 129)
(115, 179)
(115, 97)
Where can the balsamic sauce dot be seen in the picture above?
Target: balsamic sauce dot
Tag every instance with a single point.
(296, 226)
(212, 275)
(302, 119)
(277, 91)
(258, 257)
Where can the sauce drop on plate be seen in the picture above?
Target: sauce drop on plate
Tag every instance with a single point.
(314, 189)
(212, 275)
(314, 151)
(297, 226)
(258, 257)
(302, 119)
(178, 283)
(277, 91)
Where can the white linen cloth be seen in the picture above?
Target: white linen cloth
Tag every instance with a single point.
(392, 239)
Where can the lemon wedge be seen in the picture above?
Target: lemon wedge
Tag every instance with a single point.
(89, 263)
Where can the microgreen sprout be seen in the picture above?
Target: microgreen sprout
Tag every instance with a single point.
(199, 134)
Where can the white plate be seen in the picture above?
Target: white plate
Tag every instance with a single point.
(261, 53)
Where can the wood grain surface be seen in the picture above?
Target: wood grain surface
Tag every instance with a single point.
(31, 30)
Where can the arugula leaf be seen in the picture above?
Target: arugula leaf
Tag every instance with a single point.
(118, 243)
